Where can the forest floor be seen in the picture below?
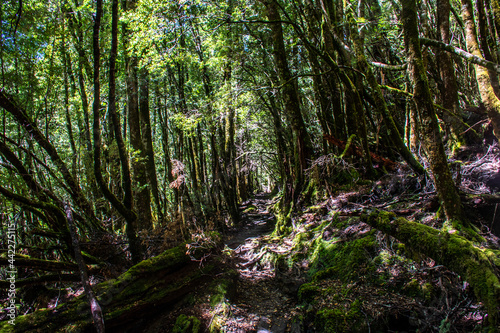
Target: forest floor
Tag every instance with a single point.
(255, 300)
(329, 271)
(261, 302)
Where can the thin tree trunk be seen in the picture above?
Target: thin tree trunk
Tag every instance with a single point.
(148, 140)
(449, 90)
(142, 198)
(95, 308)
(124, 208)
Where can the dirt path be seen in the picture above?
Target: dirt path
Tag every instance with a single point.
(263, 302)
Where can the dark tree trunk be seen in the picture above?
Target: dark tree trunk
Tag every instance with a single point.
(147, 140)
(303, 145)
(125, 208)
(142, 198)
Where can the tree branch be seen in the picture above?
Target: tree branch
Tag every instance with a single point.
(461, 53)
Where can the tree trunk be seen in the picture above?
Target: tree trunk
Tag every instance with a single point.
(125, 208)
(147, 140)
(142, 198)
(449, 88)
(431, 136)
(303, 145)
(488, 97)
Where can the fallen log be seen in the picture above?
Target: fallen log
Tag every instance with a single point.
(480, 267)
(127, 302)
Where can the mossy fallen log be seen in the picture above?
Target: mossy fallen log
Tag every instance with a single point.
(127, 301)
(479, 266)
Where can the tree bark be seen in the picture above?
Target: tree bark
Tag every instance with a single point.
(488, 97)
(303, 145)
(431, 136)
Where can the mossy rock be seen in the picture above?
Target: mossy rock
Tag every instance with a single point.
(185, 324)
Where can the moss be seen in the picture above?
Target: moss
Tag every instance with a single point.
(283, 219)
(250, 209)
(415, 289)
(307, 292)
(344, 260)
(221, 290)
(185, 324)
(340, 319)
(301, 240)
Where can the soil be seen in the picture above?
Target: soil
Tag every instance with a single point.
(260, 301)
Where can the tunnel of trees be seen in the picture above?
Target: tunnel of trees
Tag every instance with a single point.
(127, 124)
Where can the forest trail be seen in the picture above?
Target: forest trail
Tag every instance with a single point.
(262, 302)
(257, 299)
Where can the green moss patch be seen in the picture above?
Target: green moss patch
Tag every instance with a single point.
(345, 260)
(185, 324)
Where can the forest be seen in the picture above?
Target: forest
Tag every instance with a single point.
(250, 166)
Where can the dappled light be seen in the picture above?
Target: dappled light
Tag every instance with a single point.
(249, 166)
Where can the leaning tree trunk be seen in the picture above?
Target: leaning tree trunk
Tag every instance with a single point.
(488, 97)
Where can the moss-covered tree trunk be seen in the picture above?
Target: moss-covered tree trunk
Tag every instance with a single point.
(478, 266)
(449, 88)
(431, 136)
(127, 302)
(488, 97)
